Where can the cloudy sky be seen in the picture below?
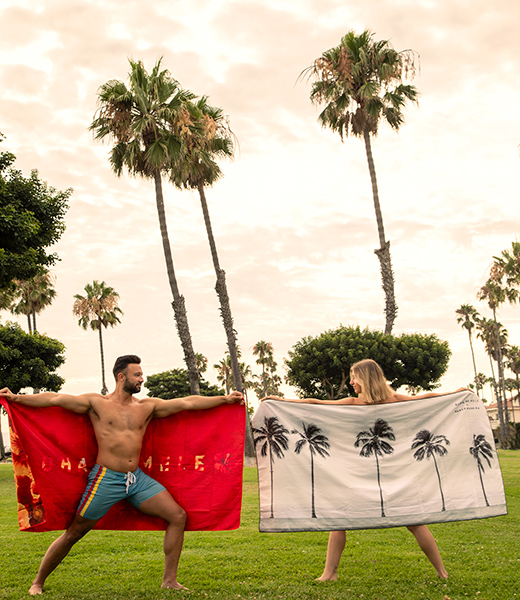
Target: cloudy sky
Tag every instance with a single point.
(293, 216)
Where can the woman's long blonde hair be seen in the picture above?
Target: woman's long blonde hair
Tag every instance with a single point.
(374, 386)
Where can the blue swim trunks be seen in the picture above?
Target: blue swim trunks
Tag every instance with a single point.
(106, 487)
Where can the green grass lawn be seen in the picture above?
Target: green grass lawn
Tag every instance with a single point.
(482, 557)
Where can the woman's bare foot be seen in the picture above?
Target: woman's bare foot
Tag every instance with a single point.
(329, 576)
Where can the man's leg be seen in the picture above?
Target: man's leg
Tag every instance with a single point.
(164, 506)
(428, 545)
(59, 549)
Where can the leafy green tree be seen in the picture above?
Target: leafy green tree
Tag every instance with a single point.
(30, 297)
(208, 138)
(31, 220)
(361, 84)
(467, 318)
(175, 383)
(319, 366)
(29, 360)
(98, 309)
(147, 123)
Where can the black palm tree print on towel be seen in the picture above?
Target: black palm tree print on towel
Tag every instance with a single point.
(318, 444)
(374, 442)
(428, 445)
(272, 436)
(481, 449)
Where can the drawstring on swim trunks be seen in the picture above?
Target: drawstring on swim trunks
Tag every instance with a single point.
(129, 479)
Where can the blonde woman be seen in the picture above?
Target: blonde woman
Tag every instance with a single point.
(369, 383)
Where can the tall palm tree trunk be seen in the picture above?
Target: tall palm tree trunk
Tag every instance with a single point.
(104, 389)
(178, 304)
(29, 324)
(474, 363)
(227, 317)
(222, 293)
(500, 411)
(33, 312)
(383, 253)
(501, 386)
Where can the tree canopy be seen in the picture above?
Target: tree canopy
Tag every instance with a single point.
(29, 360)
(319, 367)
(31, 220)
(175, 383)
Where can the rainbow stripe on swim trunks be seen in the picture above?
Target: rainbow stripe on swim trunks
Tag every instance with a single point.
(92, 491)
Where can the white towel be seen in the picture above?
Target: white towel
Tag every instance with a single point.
(326, 467)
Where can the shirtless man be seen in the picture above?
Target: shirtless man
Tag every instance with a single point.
(120, 420)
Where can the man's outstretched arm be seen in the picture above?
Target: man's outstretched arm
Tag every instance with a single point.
(78, 404)
(163, 408)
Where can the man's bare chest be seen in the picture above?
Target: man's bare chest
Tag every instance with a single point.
(118, 418)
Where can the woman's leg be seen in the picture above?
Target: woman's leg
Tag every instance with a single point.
(428, 545)
(335, 548)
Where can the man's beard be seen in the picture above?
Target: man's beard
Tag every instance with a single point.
(130, 388)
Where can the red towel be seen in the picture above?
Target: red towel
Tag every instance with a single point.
(197, 456)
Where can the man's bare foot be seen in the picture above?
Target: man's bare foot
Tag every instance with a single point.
(35, 589)
(443, 575)
(175, 585)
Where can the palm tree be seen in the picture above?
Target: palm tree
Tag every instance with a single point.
(482, 379)
(207, 139)
(513, 363)
(487, 332)
(265, 352)
(495, 294)
(318, 444)
(507, 267)
(373, 442)
(30, 297)
(273, 439)
(202, 362)
(98, 309)
(360, 81)
(511, 385)
(226, 377)
(428, 445)
(147, 123)
(224, 373)
(481, 449)
(468, 317)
